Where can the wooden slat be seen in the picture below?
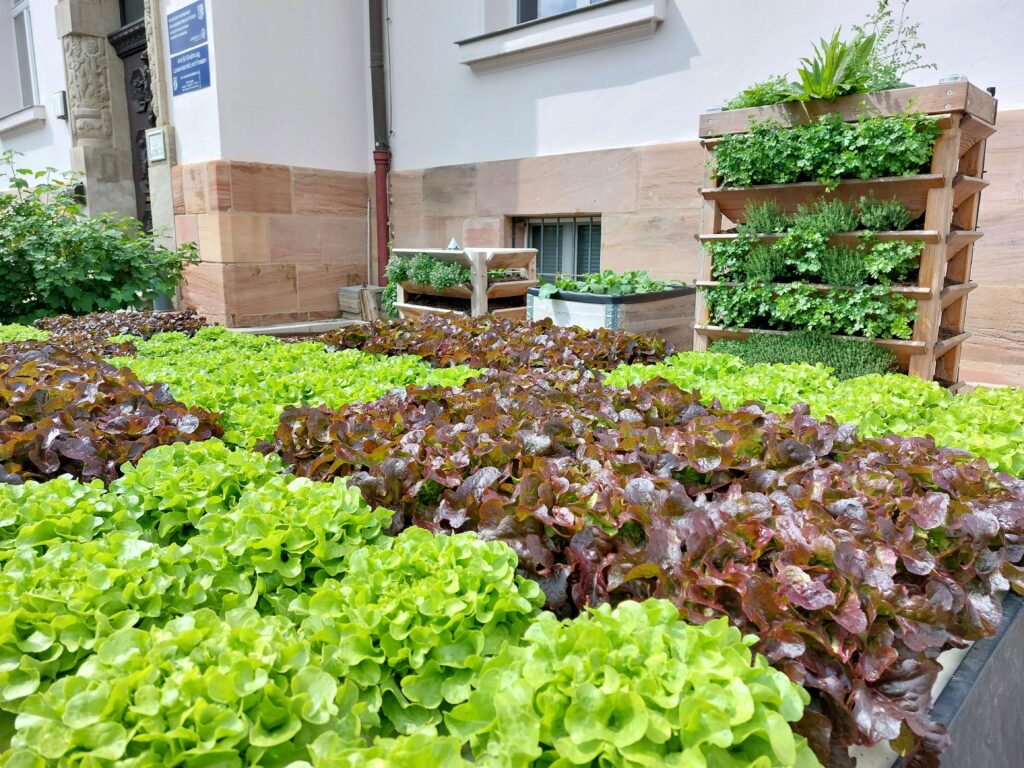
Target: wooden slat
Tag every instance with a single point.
(843, 238)
(972, 130)
(510, 288)
(932, 99)
(455, 292)
(947, 345)
(912, 191)
(710, 224)
(953, 292)
(965, 186)
(418, 310)
(511, 313)
(913, 291)
(905, 351)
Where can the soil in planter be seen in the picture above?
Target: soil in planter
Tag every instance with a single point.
(463, 305)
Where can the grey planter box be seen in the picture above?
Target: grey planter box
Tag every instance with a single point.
(667, 313)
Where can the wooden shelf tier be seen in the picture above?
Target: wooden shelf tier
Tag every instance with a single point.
(948, 197)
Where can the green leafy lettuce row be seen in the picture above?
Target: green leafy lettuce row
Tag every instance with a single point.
(80, 562)
(987, 422)
(15, 332)
(250, 379)
(633, 686)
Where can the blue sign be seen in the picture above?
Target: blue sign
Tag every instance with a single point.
(186, 27)
(190, 71)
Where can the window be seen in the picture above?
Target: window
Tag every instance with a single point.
(570, 246)
(23, 50)
(131, 11)
(531, 10)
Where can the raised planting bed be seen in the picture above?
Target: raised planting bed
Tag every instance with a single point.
(668, 313)
(938, 186)
(476, 296)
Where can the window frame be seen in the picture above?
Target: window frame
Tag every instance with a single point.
(568, 255)
(529, 10)
(22, 8)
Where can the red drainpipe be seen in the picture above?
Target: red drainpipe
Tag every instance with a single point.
(382, 166)
(381, 135)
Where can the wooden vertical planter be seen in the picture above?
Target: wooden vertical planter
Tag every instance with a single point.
(478, 291)
(948, 197)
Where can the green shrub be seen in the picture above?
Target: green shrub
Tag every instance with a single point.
(883, 215)
(412, 620)
(628, 687)
(55, 260)
(765, 93)
(847, 359)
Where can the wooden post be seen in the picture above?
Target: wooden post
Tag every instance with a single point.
(710, 224)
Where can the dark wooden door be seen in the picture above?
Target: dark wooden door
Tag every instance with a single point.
(130, 44)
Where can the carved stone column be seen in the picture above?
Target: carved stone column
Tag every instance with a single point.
(97, 111)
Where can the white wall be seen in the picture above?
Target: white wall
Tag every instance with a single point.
(289, 86)
(49, 145)
(648, 91)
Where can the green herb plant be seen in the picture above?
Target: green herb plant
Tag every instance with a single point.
(847, 358)
(609, 283)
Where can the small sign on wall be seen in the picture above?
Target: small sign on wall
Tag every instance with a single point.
(190, 71)
(186, 27)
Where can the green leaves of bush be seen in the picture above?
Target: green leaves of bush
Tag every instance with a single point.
(55, 259)
(414, 617)
(609, 283)
(628, 687)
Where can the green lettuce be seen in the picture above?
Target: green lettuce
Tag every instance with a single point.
(413, 619)
(250, 379)
(201, 690)
(633, 686)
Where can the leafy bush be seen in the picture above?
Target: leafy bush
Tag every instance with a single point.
(249, 379)
(609, 283)
(826, 216)
(55, 260)
(61, 413)
(883, 215)
(986, 422)
(412, 620)
(764, 265)
(843, 266)
(847, 359)
(488, 342)
(629, 687)
(238, 690)
(900, 145)
(897, 50)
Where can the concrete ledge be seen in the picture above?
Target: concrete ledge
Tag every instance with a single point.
(289, 329)
(587, 28)
(23, 120)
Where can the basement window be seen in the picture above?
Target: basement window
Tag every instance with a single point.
(569, 245)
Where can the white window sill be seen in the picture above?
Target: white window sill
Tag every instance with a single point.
(595, 26)
(23, 120)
